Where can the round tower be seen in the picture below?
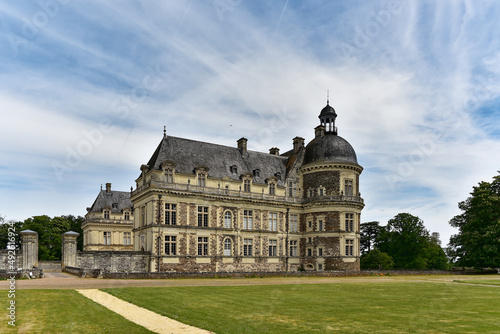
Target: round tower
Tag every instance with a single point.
(332, 202)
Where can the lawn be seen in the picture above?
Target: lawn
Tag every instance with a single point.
(378, 307)
(481, 281)
(62, 311)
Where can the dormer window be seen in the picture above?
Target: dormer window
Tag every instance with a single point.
(201, 180)
(106, 214)
(126, 215)
(256, 173)
(201, 175)
(272, 189)
(278, 176)
(169, 176)
(233, 169)
(114, 205)
(168, 168)
(246, 186)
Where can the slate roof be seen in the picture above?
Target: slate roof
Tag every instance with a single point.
(189, 154)
(106, 200)
(330, 148)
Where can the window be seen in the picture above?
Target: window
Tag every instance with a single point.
(203, 246)
(349, 247)
(227, 190)
(227, 247)
(292, 189)
(126, 215)
(246, 186)
(256, 173)
(320, 225)
(278, 176)
(309, 252)
(273, 221)
(170, 214)
(311, 192)
(107, 238)
(203, 216)
(309, 240)
(233, 169)
(272, 189)
(228, 217)
(348, 187)
(349, 222)
(310, 224)
(273, 245)
(170, 245)
(247, 247)
(247, 220)
(114, 205)
(293, 247)
(169, 176)
(143, 216)
(106, 214)
(201, 180)
(320, 251)
(321, 191)
(126, 238)
(294, 223)
(143, 244)
(320, 267)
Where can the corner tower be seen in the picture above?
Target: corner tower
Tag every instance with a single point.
(331, 200)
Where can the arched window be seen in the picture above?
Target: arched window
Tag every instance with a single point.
(227, 247)
(227, 219)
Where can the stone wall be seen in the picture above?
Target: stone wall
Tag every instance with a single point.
(330, 180)
(50, 266)
(4, 259)
(113, 261)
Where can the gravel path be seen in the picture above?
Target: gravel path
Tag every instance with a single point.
(145, 318)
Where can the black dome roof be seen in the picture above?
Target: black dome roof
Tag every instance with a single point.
(330, 148)
(328, 111)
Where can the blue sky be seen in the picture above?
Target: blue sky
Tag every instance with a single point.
(86, 88)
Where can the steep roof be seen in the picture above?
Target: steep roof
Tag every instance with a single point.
(114, 200)
(189, 154)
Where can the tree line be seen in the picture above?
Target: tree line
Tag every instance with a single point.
(49, 233)
(405, 243)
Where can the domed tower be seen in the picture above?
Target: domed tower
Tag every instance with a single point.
(332, 202)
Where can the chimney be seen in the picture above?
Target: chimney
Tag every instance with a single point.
(298, 143)
(242, 145)
(274, 151)
(108, 188)
(319, 131)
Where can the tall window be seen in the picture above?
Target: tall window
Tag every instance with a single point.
(143, 215)
(273, 247)
(170, 214)
(169, 176)
(247, 220)
(294, 223)
(321, 191)
(203, 216)
(126, 215)
(272, 189)
(349, 222)
(170, 245)
(201, 179)
(246, 186)
(292, 189)
(349, 247)
(293, 247)
(320, 251)
(142, 242)
(107, 238)
(320, 225)
(228, 217)
(203, 246)
(348, 187)
(247, 247)
(106, 214)
(126, 238)
(273, 221)
(309, 252)
(227, 247)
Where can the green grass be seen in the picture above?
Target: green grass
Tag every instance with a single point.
(61, 311)
(380, 307)
(481, 281)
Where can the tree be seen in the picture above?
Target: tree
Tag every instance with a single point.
(477, 243)
(5, 228)
(369, 233)
(375, 259)
(50, 232)
(409, 243)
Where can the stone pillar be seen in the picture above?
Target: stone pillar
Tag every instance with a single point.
(69, 244)
(29, 243)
